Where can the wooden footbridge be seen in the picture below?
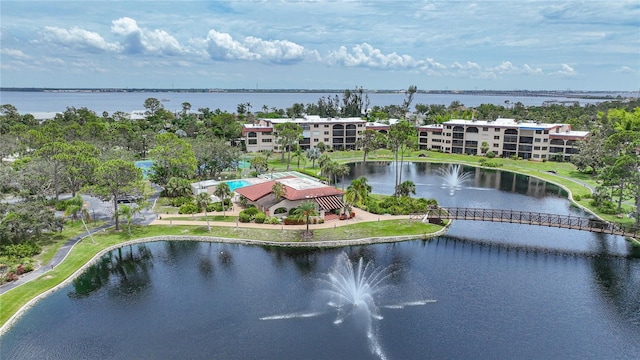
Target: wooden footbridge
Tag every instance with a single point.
(437, 214)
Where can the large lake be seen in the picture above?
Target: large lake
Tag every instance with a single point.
(480, 292)
(41, 102)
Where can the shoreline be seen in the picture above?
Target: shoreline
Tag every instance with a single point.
(6, 326)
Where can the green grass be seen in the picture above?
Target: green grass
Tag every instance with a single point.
(217, 218)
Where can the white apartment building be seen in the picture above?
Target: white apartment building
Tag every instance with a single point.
(335, 133)
(505, 137)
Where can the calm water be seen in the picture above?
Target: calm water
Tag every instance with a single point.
(202, 301)
(38, 102)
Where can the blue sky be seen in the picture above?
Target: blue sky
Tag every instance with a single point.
(505, 45)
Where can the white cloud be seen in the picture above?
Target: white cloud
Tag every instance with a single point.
(15, 53)
(78, 38)
(279, 51)
(628, 70)
(365, 55)
(139, 40)
(222, 46)
(565, 70)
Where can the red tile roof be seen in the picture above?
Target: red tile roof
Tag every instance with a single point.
(258, 191)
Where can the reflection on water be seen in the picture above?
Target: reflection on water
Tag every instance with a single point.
(123, 270)
(503, 291)
(492, 302)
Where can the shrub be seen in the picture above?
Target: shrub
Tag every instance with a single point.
(293, 221)
(274, 220)
(577, 197)
(23, 250)
(244, 217)
(491, 154)
(260, 217)
(188, 209)
(179, 201)
(252, 211)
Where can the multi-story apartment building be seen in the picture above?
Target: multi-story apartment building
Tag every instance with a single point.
(334, 133)
(504, 137)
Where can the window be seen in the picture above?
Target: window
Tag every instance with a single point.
(485, 129)
(496, 145)
(266, 140)
(496, 137)
(316, 140)
(536, 148)
(538, 131)
(326, 133)
(326, 140)
(326, 126)
(537, 140)
(496, 130)
(253, 141)
(316, 126)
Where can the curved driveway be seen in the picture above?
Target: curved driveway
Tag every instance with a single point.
(99, 210)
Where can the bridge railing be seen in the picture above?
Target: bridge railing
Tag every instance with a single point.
(532, 218)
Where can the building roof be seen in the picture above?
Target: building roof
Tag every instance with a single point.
(569, 135)
(295, 189)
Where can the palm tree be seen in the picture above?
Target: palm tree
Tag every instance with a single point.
(304, 211)
(358, 191)
(313, 154)
(74, 206)
(203, 200)
(278, 190)
(223, 191)
(341, 170)
(406, 188)
(177, 187)
(128, 212)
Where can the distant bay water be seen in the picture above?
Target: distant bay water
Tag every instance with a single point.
(45, 102)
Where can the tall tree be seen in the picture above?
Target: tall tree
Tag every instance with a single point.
(371, 140)
(313, 154)
(288, 135)
(172, 157)
(203, 200)
(223, 191)
(116, 179)
(400, 137)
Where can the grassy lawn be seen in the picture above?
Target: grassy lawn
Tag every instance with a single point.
(219, 218)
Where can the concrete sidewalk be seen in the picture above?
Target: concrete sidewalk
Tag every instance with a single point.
(361, 216)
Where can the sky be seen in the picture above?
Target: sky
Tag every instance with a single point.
(322, 44)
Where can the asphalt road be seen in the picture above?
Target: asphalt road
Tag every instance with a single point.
(99, 210)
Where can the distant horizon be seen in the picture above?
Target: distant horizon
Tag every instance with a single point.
(314, 90)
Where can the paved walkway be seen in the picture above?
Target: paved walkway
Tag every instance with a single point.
(99, 210)
(361, 216)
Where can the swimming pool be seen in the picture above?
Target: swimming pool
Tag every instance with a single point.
(235, 184)
(145, 166)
